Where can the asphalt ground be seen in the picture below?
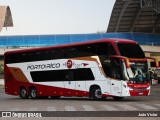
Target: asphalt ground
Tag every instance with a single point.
(144, 103)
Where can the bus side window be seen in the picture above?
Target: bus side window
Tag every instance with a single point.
(116, 71)
(104, 51)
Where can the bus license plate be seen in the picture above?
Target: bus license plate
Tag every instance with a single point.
(140, 93)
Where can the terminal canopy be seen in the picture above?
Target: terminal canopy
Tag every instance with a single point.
(5, 17)
(135, 16)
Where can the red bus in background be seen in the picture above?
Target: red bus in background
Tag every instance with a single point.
(98, 69)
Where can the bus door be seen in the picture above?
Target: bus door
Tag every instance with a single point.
(116, 75)
(69, 84)
(116, 87)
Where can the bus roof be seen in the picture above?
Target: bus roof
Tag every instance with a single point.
(108, 40)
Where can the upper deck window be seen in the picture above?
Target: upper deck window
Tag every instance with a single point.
(95, 49)
(130, 50)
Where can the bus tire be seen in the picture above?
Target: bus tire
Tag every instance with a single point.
(33, 93)
(23, 93)
(96, 93)
(117, 98)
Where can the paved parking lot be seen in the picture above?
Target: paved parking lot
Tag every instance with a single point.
(146, 103)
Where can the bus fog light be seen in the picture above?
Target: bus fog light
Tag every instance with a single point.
(148, 88)
(131, 81)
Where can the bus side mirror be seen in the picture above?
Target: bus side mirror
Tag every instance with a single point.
(155, 60)
(126, 60)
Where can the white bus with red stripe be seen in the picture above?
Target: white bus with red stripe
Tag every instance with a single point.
(98, 69)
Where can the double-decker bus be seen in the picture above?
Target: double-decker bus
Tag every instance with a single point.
(98, 69)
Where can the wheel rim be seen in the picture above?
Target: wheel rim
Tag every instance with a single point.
(33, 93)
(23, 92)
(98, 93)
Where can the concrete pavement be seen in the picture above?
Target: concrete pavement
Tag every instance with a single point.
(1, 81)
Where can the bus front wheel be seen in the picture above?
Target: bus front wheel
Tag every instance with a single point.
(96, 93)
(23, 93)
(33, 93)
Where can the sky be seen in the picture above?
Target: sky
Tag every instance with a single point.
(32, 17)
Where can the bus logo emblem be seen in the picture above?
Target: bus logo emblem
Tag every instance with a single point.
(69, 64)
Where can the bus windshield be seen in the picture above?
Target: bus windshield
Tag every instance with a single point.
(130, 50)
(138, 72)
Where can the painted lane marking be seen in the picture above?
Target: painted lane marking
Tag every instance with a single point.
(70, 108)
(127, 107)
(51, 108)
(146, 107)
(109, 108)
(88, 108)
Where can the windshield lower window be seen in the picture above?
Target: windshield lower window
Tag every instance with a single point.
(138, 72)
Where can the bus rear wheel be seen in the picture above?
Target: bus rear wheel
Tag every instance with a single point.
(33, 93)
(23, 93)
